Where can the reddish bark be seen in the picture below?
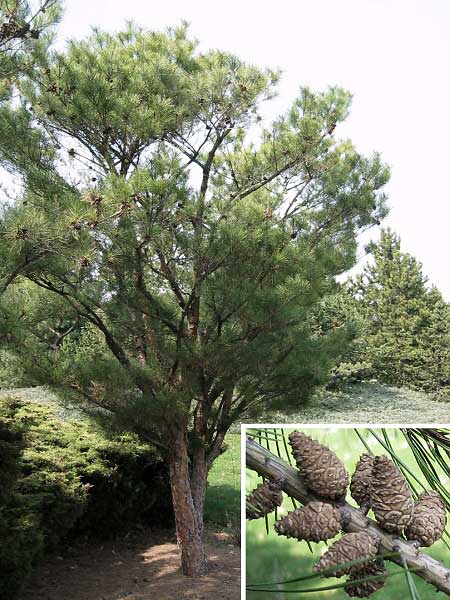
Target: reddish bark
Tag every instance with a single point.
(188, 518)
(199, 478)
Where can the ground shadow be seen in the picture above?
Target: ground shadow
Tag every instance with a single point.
(141, 569)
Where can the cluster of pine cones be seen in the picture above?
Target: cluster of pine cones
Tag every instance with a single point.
(376, 484)
(12, 28)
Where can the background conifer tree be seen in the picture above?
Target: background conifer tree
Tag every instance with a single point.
(407, 325)
(188, 241)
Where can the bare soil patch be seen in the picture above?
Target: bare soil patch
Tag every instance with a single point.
(146, 567)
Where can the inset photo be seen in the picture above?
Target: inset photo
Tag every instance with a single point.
(337, 512)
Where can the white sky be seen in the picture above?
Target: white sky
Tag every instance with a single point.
(393, 55)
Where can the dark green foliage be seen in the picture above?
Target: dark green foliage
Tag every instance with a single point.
(63, 478)
(22, 544)
(338, 313)
(406, 325)
(11, 371)
(185, 293)
(345, 373)
(135, 490)
(11, 444)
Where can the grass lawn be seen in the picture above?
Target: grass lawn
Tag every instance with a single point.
(364, 403)
(223, 504)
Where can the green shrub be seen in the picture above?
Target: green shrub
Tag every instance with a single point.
(63, 478)
(442, 395)
(22, 544)
(11, 444)
(348, 373)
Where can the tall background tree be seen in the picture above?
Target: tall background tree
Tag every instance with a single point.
(406, 324)
(186, 241)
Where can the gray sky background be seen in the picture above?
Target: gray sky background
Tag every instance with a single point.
(393, 55)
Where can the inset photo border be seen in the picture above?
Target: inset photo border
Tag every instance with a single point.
(339, 511)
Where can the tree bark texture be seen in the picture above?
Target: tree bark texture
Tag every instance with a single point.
(265, 463)
(198, 481)
(188, 519)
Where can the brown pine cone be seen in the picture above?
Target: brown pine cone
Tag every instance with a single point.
(360, 483)
(363, 590)
(428, 521)
(390, 496)
(320, 468)
(314, 522)
(264, 499)
(351, 546)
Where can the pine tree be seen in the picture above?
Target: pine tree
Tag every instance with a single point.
(25, 32)
(435, 343)
(407, 325)
(340, 313)
(191, 257)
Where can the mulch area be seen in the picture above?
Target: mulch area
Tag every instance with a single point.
(144, 567)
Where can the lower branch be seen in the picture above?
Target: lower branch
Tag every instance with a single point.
(271, 466)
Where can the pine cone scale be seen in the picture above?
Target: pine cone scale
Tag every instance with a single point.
(264, 499)
(365, 589)
(321, 469)
(360, 483)
(315, 522)
(351, 546)
(390, 496)
(428, 520)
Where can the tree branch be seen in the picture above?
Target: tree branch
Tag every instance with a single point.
(144, 384)
(19, 270)
(268, 465)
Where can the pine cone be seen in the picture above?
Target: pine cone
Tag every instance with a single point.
(390, 496)
(264, 499)
(321, 469)
(359, 485)
(428, 521)
(351, 546)
(363, 590)
(314, 522)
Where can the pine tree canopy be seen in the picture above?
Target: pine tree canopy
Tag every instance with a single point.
(168, 248)
(25, 32)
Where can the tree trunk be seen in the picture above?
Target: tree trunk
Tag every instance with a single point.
(199, 478)
(189, 523)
